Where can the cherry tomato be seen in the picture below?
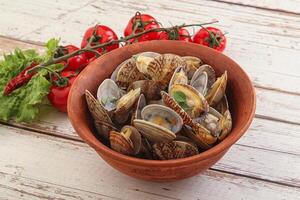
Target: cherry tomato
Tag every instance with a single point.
(103, 34)
(211, 37)
(92, 59)
(70, 48)
(182, 34)
(58, 96)
(76, 62)
(142, 22)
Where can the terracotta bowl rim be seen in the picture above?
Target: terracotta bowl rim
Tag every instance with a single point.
(87, 135)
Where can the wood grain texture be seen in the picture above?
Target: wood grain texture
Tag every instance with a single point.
(53, 168)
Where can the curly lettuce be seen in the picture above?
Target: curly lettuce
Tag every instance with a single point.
(23, 104)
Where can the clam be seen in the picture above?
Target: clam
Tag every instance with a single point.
(125, 104)
(162, 67)
(203, 78)
(173, 150)
(127, 141)
(179, 76)
(100, 115)
(150, 88)
(128, 73)
(171, 103)
(199, 82)
(222, 106)
(108, 93)
(159, 123)
(217, 90)
(225, 124)
(226, 120)
(211, 122)
(141, 103)
(189, 99)
(192, 64)
(200, 135)
(143, 59)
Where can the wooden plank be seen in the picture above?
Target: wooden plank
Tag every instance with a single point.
(17, 187)
(50, 166)
(289, 6)
(267, 54)
(272, 136)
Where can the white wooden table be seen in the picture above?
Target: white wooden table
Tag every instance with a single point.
(47, 160)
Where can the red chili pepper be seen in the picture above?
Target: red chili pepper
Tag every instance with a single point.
(21, 79)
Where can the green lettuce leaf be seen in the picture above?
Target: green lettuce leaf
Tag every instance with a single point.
(23, 104)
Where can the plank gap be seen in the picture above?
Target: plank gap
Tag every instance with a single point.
(258, 7)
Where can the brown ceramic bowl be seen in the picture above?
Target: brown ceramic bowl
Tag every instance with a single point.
(241, 96)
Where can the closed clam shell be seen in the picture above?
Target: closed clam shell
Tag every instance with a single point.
(127, 142)
(128, 73)
(189, 99)
(217, 90)
(150, 88)
(173, 150)
(162, 67)
(143, 59)
(125, 104)
(192, 64)
(108, 93)
(179, 76)
(99, 115)
(171, 103)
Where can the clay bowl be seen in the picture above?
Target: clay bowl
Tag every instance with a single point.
(241, 96)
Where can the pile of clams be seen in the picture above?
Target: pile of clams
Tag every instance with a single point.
(161, 106)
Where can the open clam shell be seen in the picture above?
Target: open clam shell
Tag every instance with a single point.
(108, 93)
(141, 103)
(212, 122)
(179, 76)
(217, 90)
(158, 123)
(127, 142)
(151, 89)
(198, 136)
(99, 114)
(189, 99)
(192, 64)
(199, 82)
(211, 75)
(124, 105)
(222, 106)
(171, 103)
(173, 150)
(162, 116)
(143, 59)
(128, 73)
(225, 125)
(153, 132)
(162, 67)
